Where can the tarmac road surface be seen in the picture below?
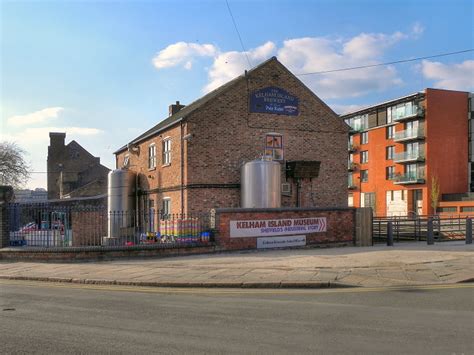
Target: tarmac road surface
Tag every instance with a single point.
(52, 318)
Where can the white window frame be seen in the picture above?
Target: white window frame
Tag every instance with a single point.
(364, 157)
(126, 160)
(166, 207)
(166, 151)
(366, 139)
(152, 156)
(275, 153)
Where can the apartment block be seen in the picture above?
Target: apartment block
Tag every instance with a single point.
(400, 149)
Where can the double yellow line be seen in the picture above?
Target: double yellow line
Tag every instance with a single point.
(228, 291)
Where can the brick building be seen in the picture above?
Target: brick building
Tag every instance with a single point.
(396, 148)
(73, 171)
(191, 160)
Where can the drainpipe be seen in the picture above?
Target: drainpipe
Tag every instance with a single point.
(182, 167)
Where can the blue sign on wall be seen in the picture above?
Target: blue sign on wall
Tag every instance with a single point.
(274, 100)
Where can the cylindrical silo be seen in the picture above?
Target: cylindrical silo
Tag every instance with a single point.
(120, 202)
(260, 184)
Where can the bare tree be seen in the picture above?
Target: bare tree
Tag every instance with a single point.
(14, 170)
(434, 193)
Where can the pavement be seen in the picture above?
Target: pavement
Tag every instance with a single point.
(405, 264)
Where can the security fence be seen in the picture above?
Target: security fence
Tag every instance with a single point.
(43, 225)
(420, 228)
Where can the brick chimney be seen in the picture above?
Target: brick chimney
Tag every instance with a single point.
(175, 108)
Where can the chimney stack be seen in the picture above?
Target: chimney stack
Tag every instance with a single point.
(175, 108)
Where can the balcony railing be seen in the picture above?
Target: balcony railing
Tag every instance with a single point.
(415, 111)
(352, 147)
(417, 177)
(403, 157)
(410, 134)
(351, 185)
(352, 166)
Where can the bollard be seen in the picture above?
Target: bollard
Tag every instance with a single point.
(430, 236)
(390, 234)
(468, 231)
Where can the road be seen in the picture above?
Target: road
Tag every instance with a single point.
(66, 318)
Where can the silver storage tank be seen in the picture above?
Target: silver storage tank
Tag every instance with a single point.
(121, 203)
(260, 184)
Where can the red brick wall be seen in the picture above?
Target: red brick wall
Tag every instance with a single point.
(88, 227)
(225, 135)
(340, 225)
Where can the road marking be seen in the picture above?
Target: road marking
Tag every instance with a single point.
(227, 291)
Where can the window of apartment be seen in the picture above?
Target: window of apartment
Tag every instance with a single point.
(350, 200)
(151, 156)
(274, 146)
(364, 175)
(390, 132)
(390, 172)
(364, 138)
(166, 145)
(351, 158)
(447, 209)
(166, 207)
(467, 208)
(364, 156)
(350, 180)
(390, 151)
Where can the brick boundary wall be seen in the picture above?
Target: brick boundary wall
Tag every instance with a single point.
(99, 254)
(6, 194)
(341, 225)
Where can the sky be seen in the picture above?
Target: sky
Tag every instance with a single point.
(106, 71)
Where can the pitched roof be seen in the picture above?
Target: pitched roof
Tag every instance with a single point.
(181, 114)
(186, 110)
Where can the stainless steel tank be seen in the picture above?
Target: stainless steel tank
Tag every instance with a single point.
(260, 184)
(120, 201)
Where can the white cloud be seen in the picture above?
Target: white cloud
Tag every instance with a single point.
(458, 76)
(303, 55)
(317, 54)
(229, 65)
(34, 135)
(341, 109)
(182, 53)
(417, 30)
(40, 116)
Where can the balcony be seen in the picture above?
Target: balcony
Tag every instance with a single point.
(408, 157)
(414, 112)
(352, 147)
(357, 128)
(351, 185)
(352, 166)
(417, 177)
(410, 134)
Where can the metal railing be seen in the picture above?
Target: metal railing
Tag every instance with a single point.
(52, 227)
(415, 155)
(414, 178)
(416, 228)
(408, 134)
(415, 111)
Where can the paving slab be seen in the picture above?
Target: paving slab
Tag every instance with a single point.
(403, 264)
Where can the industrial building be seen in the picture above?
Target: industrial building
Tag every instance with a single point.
(73, 171)
(400, 148)
(192, 160)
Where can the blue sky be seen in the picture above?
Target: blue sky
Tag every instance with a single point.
(103, 72)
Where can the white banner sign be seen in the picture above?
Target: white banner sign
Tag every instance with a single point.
(272, 227)
(281, 242)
